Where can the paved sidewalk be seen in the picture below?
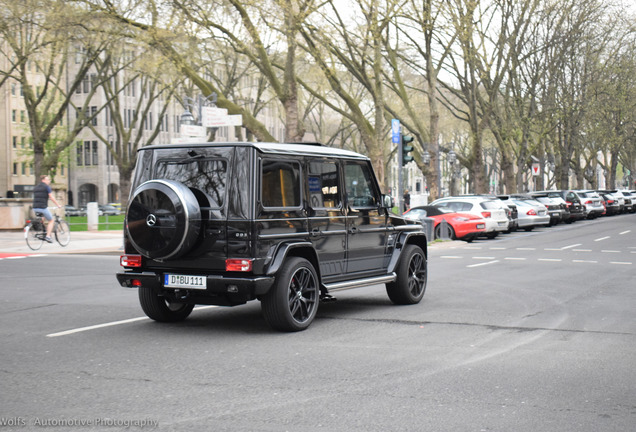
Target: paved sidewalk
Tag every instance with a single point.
(106, 242)
(81, 242)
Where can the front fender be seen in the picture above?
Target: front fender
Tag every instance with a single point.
(416, 238)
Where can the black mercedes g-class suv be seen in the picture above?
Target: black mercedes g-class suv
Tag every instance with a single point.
(287, 224)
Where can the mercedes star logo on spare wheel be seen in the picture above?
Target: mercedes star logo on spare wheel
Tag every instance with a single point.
(151, 220)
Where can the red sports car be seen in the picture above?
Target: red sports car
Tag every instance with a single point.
(461, 226)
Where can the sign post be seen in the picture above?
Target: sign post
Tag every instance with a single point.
(396, 138)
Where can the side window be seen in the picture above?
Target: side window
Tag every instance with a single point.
(323, 185)
(280, 183)
(359, 185)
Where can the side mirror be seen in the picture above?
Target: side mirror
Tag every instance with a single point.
(388, 201)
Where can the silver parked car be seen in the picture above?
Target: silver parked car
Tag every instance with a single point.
(531, 213)
(592, 202)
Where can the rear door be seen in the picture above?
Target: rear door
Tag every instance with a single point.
(327, 219)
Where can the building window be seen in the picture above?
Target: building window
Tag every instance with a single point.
(22, 116)
(94, 115)
(14, 115)
(13, 89)
(87, 153)
(15, 168)
(79, 153)
(95, 158)
(23, 142)
(15, 142)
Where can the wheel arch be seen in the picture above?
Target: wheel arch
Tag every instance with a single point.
(418, 239)
(296, 249)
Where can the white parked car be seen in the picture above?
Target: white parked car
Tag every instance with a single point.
(489, 209)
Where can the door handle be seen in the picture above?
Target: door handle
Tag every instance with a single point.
(353, 230)
(315, 232)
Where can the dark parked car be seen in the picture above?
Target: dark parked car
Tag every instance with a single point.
(557, 209)
(574, 205)
(286, 224)
(611, 203)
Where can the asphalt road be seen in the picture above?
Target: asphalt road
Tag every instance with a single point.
(528, 332)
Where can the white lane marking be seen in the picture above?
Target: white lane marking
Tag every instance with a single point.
(585, 261)
(15, 257)
(515, 259)
(625, 232)
(620, 263)
(110, 324)
(550, 259)
(602, 238)
(472, 247)
(571, 246)
(483, 264)
(552, 249)
(527, 249)
(582, 250)
(498, 248)
(484, 258)
(610, 251)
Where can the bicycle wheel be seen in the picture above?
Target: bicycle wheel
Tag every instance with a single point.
(62, 232)
(34, 237)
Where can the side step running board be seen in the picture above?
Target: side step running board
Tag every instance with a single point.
(338, 286)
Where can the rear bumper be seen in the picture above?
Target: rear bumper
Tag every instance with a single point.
(215, 284)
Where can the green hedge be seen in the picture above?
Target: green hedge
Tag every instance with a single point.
(105, 223)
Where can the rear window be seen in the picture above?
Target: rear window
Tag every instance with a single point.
(205, 175)
(490, 205)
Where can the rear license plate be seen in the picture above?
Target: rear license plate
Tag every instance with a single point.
(501, 224)
(184, 281)
(481, 226)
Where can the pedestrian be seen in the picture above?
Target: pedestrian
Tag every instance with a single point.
(407, 200)
(41, 195)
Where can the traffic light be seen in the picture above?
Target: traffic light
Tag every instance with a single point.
(406, 149)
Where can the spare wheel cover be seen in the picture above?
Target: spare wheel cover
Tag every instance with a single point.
(163, 219)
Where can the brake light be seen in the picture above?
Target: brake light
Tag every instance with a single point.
(240, 264)
(130, 260)
(486, 214)
(588, 202)
(568, 203)
(610, 201)
(531, 212)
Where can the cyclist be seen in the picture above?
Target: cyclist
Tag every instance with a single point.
(41, 195)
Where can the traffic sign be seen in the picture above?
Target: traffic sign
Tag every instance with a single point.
(535, 169)
(395, 131)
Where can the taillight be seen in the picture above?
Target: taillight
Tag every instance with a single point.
(588, 202)
(568, 203)
(486, 214)
(610, 201)
(130, 260)
(238, 264)
(531, 212)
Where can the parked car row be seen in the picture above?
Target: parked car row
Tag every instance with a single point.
(102, 210)
(470, 216)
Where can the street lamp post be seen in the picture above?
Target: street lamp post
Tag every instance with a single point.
(196, 105)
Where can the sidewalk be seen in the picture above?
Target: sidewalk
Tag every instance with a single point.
(105, 242)
(82, 242)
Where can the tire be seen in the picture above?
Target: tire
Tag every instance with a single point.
(451, 232)
(410, 284)
(163, 220)
(63, 233)
(291, 304)
(158, 308)
(34, 238)
(492, 235)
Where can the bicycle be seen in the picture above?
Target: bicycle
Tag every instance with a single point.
(35, 231)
